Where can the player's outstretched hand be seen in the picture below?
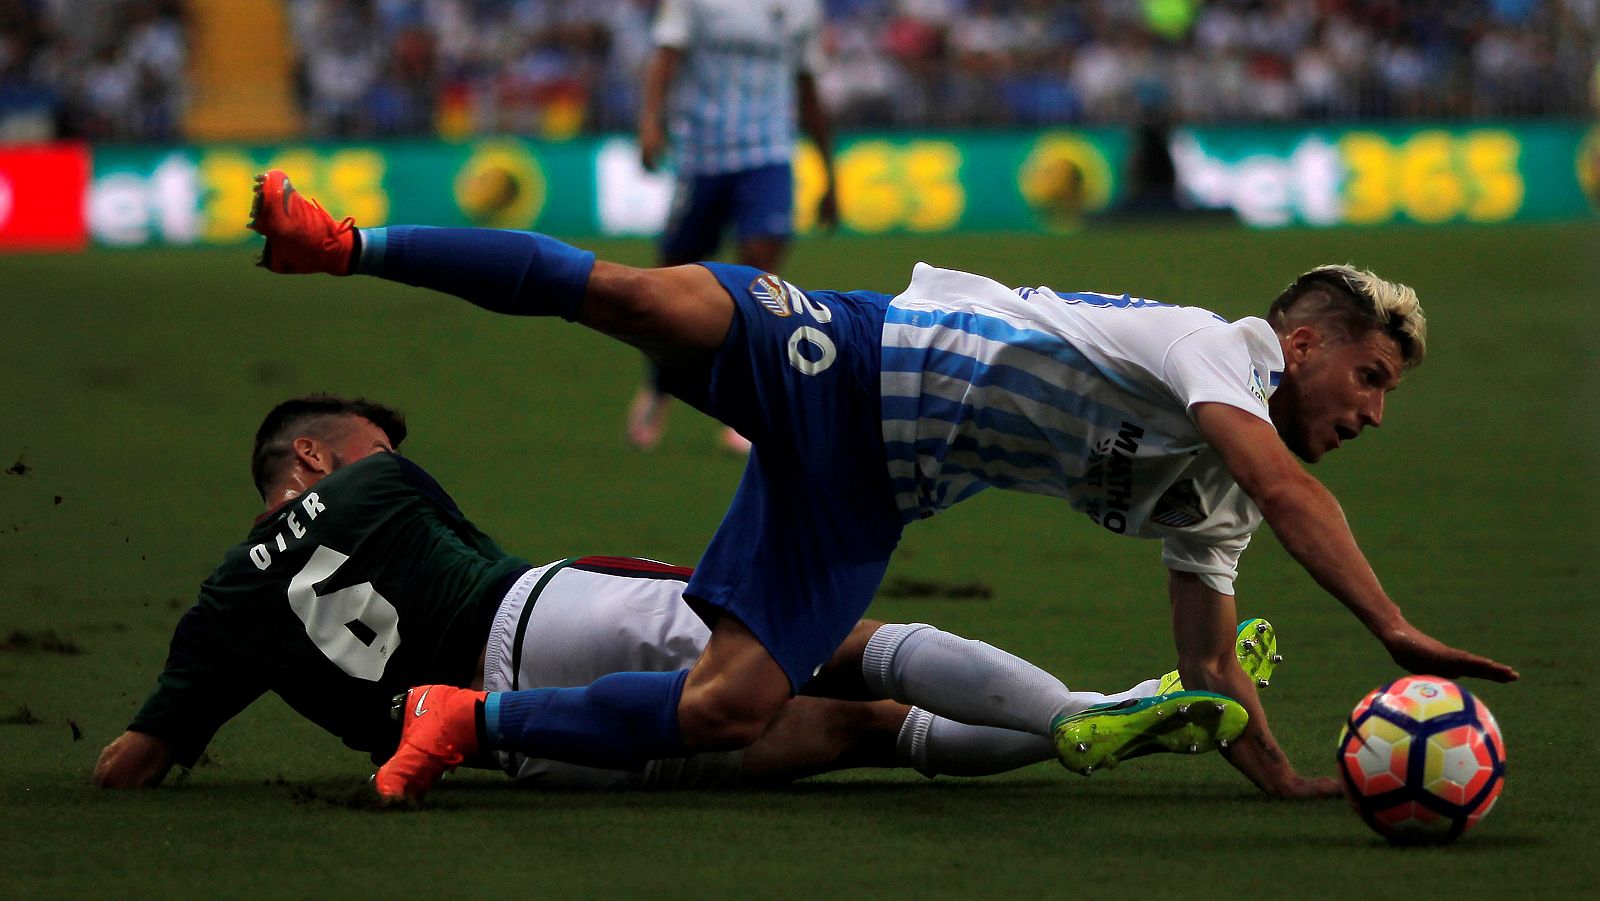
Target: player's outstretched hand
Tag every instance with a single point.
(1419, 653)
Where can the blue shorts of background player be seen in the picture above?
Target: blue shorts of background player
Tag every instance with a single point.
(758, 203)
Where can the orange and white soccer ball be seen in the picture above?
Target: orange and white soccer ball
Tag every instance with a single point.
(1421, 760)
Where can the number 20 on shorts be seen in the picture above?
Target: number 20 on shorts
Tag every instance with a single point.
(811, 351)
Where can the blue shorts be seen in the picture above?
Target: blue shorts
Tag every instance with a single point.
(808, 537)
(759, 203)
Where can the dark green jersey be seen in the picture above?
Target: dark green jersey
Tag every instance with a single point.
(358, 589)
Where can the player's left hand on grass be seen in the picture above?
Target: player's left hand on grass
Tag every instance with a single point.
(133, 760)
(1422, 654)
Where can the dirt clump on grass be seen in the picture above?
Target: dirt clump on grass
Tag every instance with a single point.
(46, 642)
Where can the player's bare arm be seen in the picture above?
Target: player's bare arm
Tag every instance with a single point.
(1310, 524)
(663, 68)
(814, 120)
(1203, 627)
(133, 760)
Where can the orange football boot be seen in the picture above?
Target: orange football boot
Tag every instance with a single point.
(438, 730)
(301, 236)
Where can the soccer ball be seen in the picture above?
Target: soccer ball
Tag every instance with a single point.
(1421, 760)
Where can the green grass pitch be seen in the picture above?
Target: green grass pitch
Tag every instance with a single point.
(130, 385)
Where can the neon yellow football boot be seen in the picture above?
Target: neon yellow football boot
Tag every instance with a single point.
(1256, 646)
(1187, 722)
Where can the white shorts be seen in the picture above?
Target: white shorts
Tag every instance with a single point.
(581, 619)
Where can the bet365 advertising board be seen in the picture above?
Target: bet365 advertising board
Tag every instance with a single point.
(67, 196)
(597, 187)
(1377, 176)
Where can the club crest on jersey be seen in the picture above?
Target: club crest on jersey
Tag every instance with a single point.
(773, 295)
(1180, 507)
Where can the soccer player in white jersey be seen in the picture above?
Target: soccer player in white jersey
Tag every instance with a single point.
(869, 412)
(738, 72)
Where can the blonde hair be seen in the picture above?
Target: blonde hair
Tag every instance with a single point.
(1356, 301)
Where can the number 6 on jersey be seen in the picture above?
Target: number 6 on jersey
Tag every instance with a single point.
(355, 627)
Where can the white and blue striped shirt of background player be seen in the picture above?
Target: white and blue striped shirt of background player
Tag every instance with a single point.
(733, 100)
(1078, 396)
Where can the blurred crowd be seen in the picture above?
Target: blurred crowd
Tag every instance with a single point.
(556, 66)
(115, 68)
(100, 69)
(546, 67)
(1038, 61)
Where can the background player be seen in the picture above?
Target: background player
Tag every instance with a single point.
(869, 412)
(363, 577)
(737, 71)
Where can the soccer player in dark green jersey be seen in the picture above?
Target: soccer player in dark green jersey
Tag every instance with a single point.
(363, 578)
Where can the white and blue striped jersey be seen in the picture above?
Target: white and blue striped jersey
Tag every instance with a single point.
(733, 100)
(1085, 397)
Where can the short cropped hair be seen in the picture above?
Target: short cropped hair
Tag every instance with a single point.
(316, 416)
(1354, 301)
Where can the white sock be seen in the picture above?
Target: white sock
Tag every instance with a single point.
(933, 746)
(970, 681)
(1145, 689)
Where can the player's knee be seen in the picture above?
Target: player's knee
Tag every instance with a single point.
(621, 301)
(716, 718)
